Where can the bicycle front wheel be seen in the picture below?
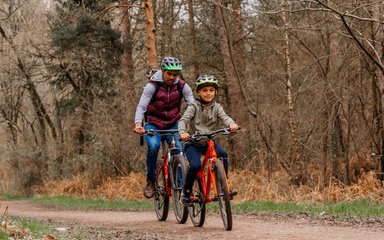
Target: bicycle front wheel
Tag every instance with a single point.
(179, 174)
(223, 195)
(161, 200)
(197, 208)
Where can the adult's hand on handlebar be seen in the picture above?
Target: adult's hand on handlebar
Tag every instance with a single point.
(139, 129)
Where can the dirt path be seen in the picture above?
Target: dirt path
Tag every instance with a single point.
(245, 226)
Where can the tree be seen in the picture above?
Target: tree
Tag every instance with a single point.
(88, 56)
(151, 41)
(233, 82)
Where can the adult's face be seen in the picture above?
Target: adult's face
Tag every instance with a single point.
(170, 76)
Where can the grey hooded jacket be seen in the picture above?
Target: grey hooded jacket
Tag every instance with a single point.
(198, 118)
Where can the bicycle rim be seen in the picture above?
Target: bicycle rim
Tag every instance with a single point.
(161, 200)
(223, 196)
(197, 208)
(179, 174)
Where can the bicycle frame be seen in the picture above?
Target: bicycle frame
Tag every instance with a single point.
(209, 179)
(166, 156)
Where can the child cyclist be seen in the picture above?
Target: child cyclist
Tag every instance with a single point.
(203, 115)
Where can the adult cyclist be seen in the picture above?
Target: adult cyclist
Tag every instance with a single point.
(159, 106)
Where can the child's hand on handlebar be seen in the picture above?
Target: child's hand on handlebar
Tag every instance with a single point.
(234, 127)
(184, 136)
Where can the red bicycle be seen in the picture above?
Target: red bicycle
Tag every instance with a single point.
(170, 178)
(211, 184)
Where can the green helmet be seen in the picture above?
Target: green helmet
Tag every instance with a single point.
(171, 64)
(206, 80)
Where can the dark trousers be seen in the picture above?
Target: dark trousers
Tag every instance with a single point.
(194, 154)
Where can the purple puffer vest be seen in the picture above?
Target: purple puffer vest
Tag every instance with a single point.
(164, 112)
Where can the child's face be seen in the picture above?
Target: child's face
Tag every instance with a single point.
(207, 93)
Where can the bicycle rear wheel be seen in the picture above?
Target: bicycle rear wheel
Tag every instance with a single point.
(161, 200)
(197, 208)
(179, 174)
(223, 195)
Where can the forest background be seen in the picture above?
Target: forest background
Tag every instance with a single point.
(304, 79)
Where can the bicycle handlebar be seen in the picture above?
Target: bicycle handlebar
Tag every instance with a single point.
(152, 132)
(210, 135)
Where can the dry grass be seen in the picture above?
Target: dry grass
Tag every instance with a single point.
(250, 186)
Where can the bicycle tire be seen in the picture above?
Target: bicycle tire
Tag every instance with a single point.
(197, 208)
(223, 195)
(161, 200)
(179, 171)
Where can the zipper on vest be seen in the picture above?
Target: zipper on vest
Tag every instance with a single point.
(165, 111)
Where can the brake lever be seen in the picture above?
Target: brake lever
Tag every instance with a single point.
(150, 132)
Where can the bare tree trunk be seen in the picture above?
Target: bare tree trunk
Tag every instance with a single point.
(127, 90)
(378, 42)
(192, 27)
(327, 40)
(151, 30)
(296, 165)
(238, 35)
(86, 106)
(127, 63)
(10, 109)
(237, 98)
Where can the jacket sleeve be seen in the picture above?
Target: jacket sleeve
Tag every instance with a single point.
(188, 115)
(224, 118)
(145, 98)
(188, 93)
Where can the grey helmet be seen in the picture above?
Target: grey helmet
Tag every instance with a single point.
(171, 64)
(206, 80)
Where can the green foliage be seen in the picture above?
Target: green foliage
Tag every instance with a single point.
(359, 208)
(7, 196)
(3, 236)
(89, 49)
(37, 228)
(88, 54)
(34, 228)
(86, 34)
(86, 65)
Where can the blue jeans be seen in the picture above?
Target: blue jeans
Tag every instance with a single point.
(194, 154)
(153, 147)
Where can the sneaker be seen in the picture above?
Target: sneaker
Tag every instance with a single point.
(149, 189)
(232, 193)
(185, 201)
